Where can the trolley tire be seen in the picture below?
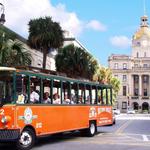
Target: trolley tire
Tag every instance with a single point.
(114, 121)
(92, 129)
(90, 132)
(26, 140)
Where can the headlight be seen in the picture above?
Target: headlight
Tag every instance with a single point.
(5, 119)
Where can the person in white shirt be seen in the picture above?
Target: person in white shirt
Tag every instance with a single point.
(56, 99)
(66, 100)
(46, 98)
(34, 96)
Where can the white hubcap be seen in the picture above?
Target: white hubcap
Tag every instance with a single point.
(92, 128)
(25, 138)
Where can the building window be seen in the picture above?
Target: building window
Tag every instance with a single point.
(138, 44)
(144, 54)
(116, 66)
(124, 91)
(135, 65)
(124, 105)
(136, 92)
(137, 54)
(145, 65)
(145, 79)
(124, 78)
(124, 66)
(145, 92)
(136, 79)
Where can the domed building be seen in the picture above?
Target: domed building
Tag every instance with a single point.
(134, 71)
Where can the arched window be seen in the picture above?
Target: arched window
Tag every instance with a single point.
(137, 54)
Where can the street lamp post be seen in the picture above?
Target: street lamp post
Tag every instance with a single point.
(2, 16)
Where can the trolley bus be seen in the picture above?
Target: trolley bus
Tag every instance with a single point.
(80, 105)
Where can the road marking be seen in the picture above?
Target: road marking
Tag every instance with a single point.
(133, 117)
(119, 143)
(145, 138)
(125, 125)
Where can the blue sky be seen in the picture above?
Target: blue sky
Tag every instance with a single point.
(121, 18)
(104, 27)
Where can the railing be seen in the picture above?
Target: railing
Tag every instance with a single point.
(145, 97)
(140, 97)
(134, 97)
(141, 68)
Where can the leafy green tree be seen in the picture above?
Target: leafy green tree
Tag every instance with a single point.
(75, 62)
(104, 75)
(45, 35)
(115, 85)
(12, 53)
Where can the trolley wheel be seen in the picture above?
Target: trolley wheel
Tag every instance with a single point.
(92, 129)
(114, 121)
(26, 140)
(90, 132)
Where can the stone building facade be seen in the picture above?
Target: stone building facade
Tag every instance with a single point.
(134, 71)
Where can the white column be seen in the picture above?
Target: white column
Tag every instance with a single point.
(140, 85)
(131, 85)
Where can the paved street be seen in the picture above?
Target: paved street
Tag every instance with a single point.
(131, 132)
(133, 117)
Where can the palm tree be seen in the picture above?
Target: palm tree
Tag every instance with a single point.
(75, 62)
(104, 75)
(12, 53)
(18, 54)
(45, 35)
(115, 86)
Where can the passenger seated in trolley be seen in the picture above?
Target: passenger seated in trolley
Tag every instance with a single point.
(66, 99)
(88, 99)
(56, 99)
(20, 99)
(46, 98)
(80, 99)
(100, 101)
(34, 96)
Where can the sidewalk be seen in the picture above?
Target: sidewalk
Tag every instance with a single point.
(133, 117)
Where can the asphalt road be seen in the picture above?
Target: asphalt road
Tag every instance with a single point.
(129, 133)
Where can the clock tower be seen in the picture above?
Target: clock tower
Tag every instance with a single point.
(134, 71)
(141, 40)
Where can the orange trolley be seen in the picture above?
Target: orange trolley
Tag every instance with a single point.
(87, 106)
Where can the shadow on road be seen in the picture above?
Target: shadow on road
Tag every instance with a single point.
(7, 146)
(52, 139)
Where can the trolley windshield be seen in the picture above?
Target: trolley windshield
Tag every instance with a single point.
(6, 87)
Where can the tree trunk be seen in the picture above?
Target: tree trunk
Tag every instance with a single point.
(44, 58)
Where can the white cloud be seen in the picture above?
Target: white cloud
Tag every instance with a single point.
(96, 25)
(19, 12)
(122, 42)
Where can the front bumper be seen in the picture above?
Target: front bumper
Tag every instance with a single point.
(9, 135)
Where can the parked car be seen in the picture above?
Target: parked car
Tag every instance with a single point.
(130, 111)
(116, 111)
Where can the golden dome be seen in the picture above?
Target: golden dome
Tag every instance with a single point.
(144, 29)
